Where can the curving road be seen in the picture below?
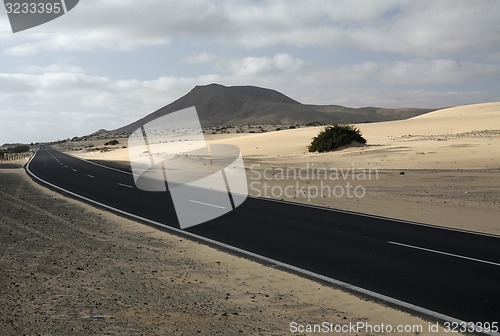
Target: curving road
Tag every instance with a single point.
(445, 273)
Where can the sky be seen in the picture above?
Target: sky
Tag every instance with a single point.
(107, 63)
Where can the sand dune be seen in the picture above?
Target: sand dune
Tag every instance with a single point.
(455, 120)
(458, 137)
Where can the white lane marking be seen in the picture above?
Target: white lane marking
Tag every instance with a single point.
(446, 253)
(292, 268)
(65, 166)
(432, 226)
(91, 176)
(125, 185)
(207, 204)
(75, 170)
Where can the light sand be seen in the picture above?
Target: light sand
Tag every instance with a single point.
(461, 137)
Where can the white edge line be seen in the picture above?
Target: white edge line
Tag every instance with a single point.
(334, 210)
(445, 253)
(207, 204)
(380, 217)
(295, 269)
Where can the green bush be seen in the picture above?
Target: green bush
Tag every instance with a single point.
(335, 136)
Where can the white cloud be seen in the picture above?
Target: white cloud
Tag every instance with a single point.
(416, 28)
(54, 67)
(201, 58)
(438, 71)
(117, 25)
(254, 66)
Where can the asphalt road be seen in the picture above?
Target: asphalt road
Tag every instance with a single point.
(446, 271)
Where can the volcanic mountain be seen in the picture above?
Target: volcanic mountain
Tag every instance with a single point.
(219, 105)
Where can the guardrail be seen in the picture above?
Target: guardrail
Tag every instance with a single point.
(14, 156)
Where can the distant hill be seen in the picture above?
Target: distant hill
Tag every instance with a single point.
(241, 105)
(368, 114)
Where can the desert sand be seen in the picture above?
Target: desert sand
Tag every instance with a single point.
(460, 137)
(71, 269)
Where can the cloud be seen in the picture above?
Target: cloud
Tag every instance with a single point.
(118, 25)
(405, 27)
(201, 58)
(438, 71)
(414, 28)
(54, 67)
(254, 66)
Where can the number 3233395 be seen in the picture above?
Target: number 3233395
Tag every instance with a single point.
(33, 8)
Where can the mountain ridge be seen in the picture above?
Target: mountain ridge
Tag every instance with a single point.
(219, 105)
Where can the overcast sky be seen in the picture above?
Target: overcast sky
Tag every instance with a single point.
(109, 62)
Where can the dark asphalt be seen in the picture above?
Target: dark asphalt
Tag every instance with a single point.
(462, 282)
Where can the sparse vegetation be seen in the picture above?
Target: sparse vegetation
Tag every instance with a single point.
(15, 152)
(112, 143)
(335, 136)
(18, 149)
(314, 123)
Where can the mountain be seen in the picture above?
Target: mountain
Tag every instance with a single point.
(241, 105)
